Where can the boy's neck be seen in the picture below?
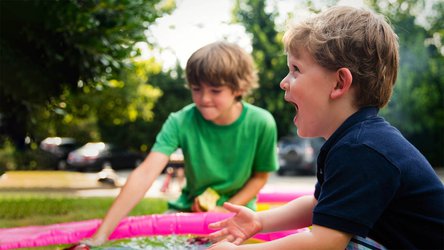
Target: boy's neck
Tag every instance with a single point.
(341, 113)
(231, 115)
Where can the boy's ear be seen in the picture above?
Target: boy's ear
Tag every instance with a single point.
(238, 92)
(344, 81)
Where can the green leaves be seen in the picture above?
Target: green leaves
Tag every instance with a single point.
(50, 48)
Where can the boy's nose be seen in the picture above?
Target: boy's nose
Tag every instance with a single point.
(284, 83)
(205, 97)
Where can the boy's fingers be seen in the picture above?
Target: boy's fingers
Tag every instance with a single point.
(217, 225)
(238, 241)
(196, 207)
(231, 207)
(230, 238)
(219, 234)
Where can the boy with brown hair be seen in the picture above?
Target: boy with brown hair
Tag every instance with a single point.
(228, 145)
(371, 181)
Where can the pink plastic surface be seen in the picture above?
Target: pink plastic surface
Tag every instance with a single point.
(161, 224)
(272, 196)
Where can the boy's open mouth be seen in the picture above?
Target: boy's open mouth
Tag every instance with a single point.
(296, 107)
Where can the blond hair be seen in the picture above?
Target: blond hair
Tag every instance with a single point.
(222, 64)
(357, 39)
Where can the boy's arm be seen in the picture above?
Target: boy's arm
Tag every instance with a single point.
(251, 188)
(299, 214)
(293, 215)
(137, 184)
(318, 238)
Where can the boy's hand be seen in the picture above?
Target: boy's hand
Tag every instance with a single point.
(196, 207)
(94, 241)
(222, 245)
(219, 209)
(237, 229)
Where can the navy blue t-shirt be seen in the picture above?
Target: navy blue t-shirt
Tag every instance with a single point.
(373, 183)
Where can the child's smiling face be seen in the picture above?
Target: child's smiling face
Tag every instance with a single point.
(216, 103)
(308, 86)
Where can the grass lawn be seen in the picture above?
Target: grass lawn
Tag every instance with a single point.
(25, 209)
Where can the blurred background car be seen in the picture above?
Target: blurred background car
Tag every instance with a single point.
(55, 151)
(176, 159)
(95, 156)
(174, 171)
(298, 155)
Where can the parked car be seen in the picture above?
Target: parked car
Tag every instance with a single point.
(298, 155)
(176, 159)
(94, 156)
(55, 151)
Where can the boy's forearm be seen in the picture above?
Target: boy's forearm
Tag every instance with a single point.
(137, 184)
(129, 196)
(319, 238)
(293, 215)
(250, 189)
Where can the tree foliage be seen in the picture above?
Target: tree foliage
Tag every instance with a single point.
(417, 105)
(151, 95)
(116, 110)
(269, 57)
(47, 47)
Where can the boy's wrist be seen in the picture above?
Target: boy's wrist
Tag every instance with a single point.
(95, 240)
(260, 221)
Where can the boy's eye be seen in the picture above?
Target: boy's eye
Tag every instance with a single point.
(295, 68)
(216, 91)
(195, 88)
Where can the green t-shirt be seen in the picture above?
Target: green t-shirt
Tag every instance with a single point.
(220, 157)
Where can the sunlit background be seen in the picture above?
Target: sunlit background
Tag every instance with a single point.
(196, 23)
(112, 71)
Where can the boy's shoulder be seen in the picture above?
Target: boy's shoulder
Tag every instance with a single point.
(374, 132)
(183, 115)
(256, 109)
(378, 135)
(190, 108)
(256, 112)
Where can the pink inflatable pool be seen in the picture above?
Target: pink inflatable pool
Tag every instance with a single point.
(272, 196)
(161, 224)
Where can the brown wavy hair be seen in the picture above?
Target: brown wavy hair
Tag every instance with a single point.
(222, 64)
(357, 39)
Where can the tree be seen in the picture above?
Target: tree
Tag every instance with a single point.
(416, 107)
(120, 111)
(270, 59)
(47, 47)
(176, 95)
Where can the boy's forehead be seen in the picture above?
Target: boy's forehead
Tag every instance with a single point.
(296, 50)
(208, 84)
(297, 53)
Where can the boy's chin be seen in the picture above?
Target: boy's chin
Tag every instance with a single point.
(302, 133)
(208, 117)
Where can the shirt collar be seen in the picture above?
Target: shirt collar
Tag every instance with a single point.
(359, 116)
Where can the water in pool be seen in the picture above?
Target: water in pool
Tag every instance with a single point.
(177, 242)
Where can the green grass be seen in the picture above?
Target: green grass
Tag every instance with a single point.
(27, 209)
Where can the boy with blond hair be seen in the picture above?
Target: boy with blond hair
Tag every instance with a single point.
(374, 189)
(228, 145)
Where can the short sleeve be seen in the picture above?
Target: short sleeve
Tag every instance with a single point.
(167, 140)
(358, 185)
